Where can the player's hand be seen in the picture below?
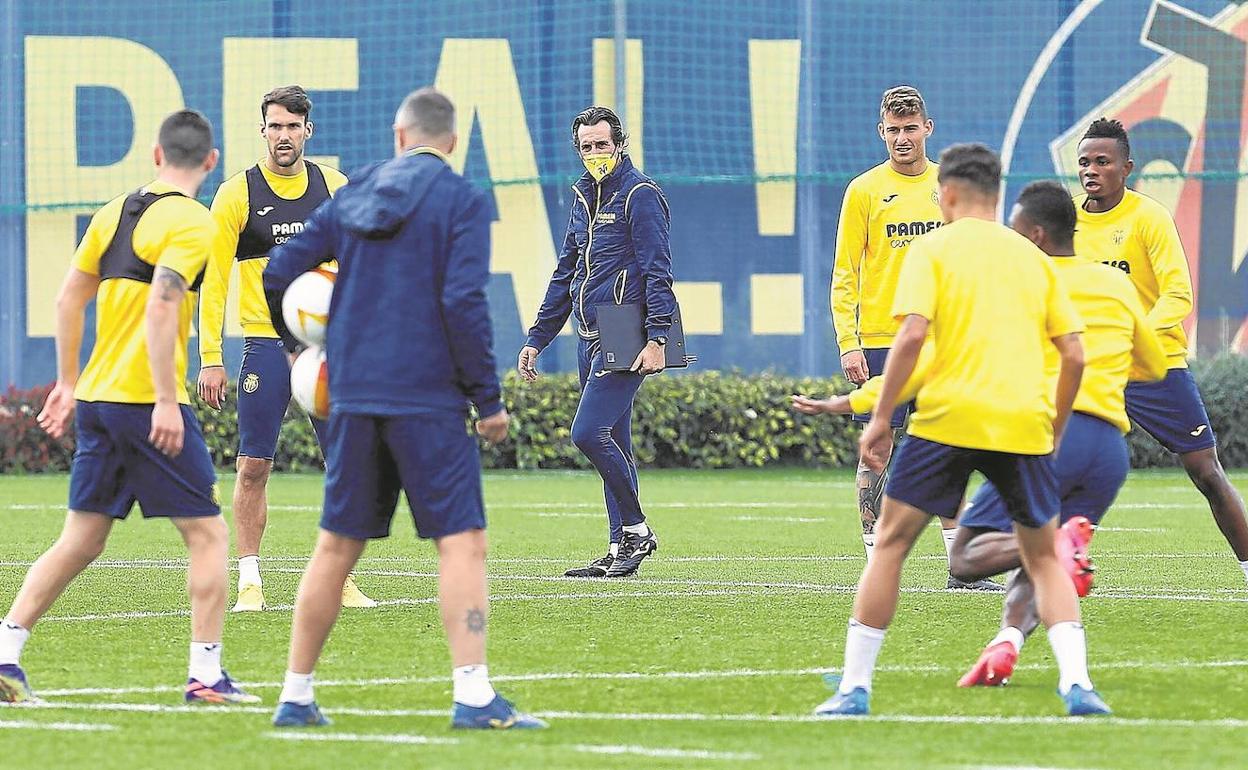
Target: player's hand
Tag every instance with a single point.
(808, 405)
(212, 386)
(57, 410)
(651, 360)
(527, 365)
(167, 428)
(854, 364)
(494, 428)
(876, 444)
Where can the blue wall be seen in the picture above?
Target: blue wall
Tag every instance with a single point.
(971, 60)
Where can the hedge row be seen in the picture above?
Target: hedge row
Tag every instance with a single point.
(698, 420)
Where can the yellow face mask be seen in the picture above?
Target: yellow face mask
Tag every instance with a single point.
(600, 164)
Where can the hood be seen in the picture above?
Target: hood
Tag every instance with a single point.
(381, 199)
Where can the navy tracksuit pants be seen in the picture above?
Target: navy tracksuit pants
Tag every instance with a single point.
(602, 430)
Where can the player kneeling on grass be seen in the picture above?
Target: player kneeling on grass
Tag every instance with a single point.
(141, 260)
(1091, 463)
(991, 301)
(409, 344)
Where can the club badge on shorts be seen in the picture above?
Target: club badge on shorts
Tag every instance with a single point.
(251, 382)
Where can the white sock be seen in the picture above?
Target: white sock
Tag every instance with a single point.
(1244, 566)
(297, 688)
(868, 543)
(614, 550)
(472, 686)
(1012, 635)
(248, 571)
(638, 529)
(862, 647)
(205, 662)
(1071, 650)
(12, 639)
(948, 535)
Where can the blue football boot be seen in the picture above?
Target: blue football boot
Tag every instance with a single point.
(14, 688)
(299, 715)
(854, 703)
(224, 691)
(498, 714)
(1081, 703)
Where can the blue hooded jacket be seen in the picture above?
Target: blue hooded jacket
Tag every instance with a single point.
(615, 250)
(409, 326)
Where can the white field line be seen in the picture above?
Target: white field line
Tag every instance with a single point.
(757, 590)
(560, 676)
(784, 519)
(643, 751)
(419, 740)
(729, 589)
(444, 713)
(74, 727)
(143, 614)
(405, 738)
(425, 560)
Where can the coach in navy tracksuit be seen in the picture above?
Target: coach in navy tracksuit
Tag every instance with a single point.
(615, 251)
(409, 346)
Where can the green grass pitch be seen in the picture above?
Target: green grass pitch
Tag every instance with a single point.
(710, 658)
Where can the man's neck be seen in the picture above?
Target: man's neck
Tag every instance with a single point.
(1106, 202)
(909, 169)
(975, 211)
(295, 169)
(1058, 252)
(185, 181)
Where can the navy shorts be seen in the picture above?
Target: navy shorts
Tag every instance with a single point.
(1172, 412)
(263, 395)
(115, 465)
(875, 368)
(1092, 465)
(430, 457)
(932, 477)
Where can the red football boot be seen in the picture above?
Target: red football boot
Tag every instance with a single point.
(1073, 540)
(994, 667)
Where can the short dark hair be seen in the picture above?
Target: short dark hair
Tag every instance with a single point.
(903, 101)
(293, 98)
(185, 138)
(429, 111)
(595, 115)
(1104, 128)
(974, 164)
(1048, 204)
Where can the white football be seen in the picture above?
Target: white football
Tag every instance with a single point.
(309, 382)
(305, 306)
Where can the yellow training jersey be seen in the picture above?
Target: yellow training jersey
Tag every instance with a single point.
(1139, 237)
(176, 232)
(882, 213)
(994, 302)
(1118, 344)
(231, 208)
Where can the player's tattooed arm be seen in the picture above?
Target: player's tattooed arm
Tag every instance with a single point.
(169, 286)
(475, 621)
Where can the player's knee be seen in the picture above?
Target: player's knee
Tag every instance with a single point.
(1206, 473)
(962, 566)
(82, 550)
(470, 545)
(590, 438)
(205, 533)
(253, 471)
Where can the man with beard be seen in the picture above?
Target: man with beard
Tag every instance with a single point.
(256, 210)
